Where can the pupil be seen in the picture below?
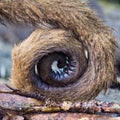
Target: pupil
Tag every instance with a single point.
(61, 63)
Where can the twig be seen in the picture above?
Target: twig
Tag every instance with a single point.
(24, 93)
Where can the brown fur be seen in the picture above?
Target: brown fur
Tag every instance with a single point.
(60, 23)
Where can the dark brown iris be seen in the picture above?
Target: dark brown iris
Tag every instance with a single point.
(57, 68)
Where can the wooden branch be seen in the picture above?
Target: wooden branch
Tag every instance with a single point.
(92, 107)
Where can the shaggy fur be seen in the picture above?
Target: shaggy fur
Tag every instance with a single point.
(62, 25)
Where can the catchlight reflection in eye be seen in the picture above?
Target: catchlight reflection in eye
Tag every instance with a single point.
(59, 67)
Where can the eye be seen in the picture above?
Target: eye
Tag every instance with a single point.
(58, 69)
(55, 68)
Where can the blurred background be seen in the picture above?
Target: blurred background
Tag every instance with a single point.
(113, 1)
(10, 34)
